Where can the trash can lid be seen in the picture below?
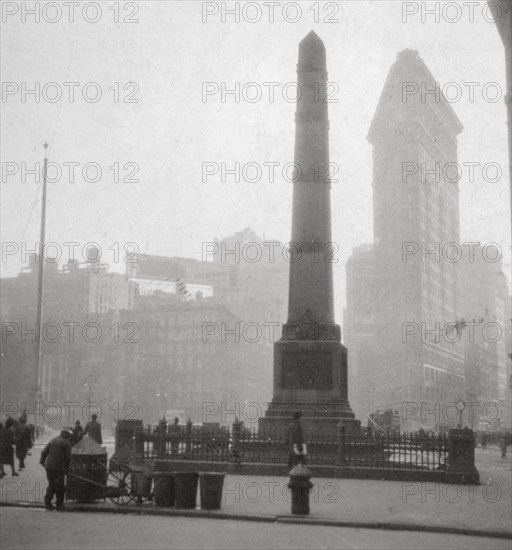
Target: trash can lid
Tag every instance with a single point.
(88, 446)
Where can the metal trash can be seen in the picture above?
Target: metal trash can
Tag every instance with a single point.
(185, 487)
(87, 477)
(141, 486)
(211, 485)
(164, 489)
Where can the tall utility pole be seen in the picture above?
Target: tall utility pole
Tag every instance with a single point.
(39, 318)
(90, 381)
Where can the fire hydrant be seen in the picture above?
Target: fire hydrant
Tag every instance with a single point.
(300, 487)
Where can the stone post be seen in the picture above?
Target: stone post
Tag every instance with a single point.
(129, 442)
(461, 457)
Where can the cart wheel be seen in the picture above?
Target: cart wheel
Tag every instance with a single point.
(119, 486)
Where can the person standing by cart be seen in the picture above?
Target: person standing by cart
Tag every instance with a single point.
(78, 433)
(93, 429)
(56, 458)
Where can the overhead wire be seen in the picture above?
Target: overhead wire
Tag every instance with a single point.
(53, 133)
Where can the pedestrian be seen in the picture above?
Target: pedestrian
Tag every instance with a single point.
(23, 441)
(160, 431)
(56, 458)
(295, 439)
(6, 445)
(484, 441)
(503, 446)
(93, 429)
(32, 429)
(2, 471)
(78, 433)
(174, 433)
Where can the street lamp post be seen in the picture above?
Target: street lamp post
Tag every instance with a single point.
(89, 382)
(38, 378)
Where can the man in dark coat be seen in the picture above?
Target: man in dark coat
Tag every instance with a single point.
(93, 429)
(296, 441)
(174, 431)
(78, 433)
(6, 446)
(23, 441)
(56, 458)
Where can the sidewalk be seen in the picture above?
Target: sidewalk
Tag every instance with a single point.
(480, 510)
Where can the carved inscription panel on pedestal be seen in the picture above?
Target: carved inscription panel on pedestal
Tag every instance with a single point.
(307, 371)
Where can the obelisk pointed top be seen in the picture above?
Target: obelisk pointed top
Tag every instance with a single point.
(312, 52)
(312, 37)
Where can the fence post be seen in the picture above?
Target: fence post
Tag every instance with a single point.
(188, 436)
(236, 435)
(342, 432)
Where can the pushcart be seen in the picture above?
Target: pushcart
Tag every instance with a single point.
(118, 482)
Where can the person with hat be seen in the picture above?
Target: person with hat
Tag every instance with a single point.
(296, 441)
(174, 431)
(23, 441)
(78, 433)
(93, 429)
(56, 458)
(6, 446)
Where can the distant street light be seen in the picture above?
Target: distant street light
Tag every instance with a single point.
(90, 381)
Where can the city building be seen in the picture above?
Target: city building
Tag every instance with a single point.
(182, 359)
(235, 304)
(359, 329)
(172, 333)
(419, 367)
(486, 336)
(80, 301)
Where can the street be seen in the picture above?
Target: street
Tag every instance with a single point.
(37, 528)
(365, 502)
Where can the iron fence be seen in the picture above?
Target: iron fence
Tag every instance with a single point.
(415, 451)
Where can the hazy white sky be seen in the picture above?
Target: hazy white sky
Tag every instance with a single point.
(172, 130)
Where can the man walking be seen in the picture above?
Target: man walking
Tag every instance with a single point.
(56, 458)
(174, 431)
(296, 441)
(93, 429)
(503, 446)
(23, 441)
(6, 446)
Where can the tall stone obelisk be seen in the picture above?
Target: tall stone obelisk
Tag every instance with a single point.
(310, 363)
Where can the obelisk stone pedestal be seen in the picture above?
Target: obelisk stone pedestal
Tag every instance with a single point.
(310, 363)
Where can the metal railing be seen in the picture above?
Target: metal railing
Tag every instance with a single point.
(415, 451)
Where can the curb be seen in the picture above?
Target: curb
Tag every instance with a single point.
(270, 518)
